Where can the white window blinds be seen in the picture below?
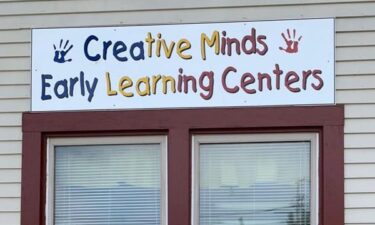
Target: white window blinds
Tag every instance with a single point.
(254, 183)
(107, 185)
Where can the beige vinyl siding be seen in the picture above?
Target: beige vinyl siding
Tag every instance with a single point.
(9, 218)
(360, 155)
(355, 70)
(10, 190)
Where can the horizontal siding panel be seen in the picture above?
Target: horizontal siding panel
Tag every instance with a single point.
(10, 205)
(360, 111)
(10, 147)
(15, 50)
(354, 53)
(359, 126)
(10, 175)
(10, 218)
(128, 5)
(355, 82)
(359, 216)
(11, 64)
(355, 67)
(10, 190)
(14, 105)
(365, 38)
(360, 171)
(134, 18)
(15, 77)
(10, 161)
(10, 133)
(360, 200)
(356, 24)
(359, 140)
(15, 36)
(197, 15)
(11, 91)
(355, 96)
(362, 38)
(10, 119)
(360, 185)
(360, 156)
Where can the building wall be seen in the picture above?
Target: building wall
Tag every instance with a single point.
(355, 72)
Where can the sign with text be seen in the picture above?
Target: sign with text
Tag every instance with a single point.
(288, 62)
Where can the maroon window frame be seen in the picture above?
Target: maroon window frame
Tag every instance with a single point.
(180, 125)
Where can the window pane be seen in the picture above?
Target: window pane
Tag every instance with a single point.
(255, 183)
(107, 185)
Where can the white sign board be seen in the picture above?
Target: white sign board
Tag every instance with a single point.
(288, 62)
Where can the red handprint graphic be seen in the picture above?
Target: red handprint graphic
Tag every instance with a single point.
(291, 43)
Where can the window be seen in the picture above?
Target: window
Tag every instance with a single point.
(255, 179)
(44, 132)
(107, 181)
